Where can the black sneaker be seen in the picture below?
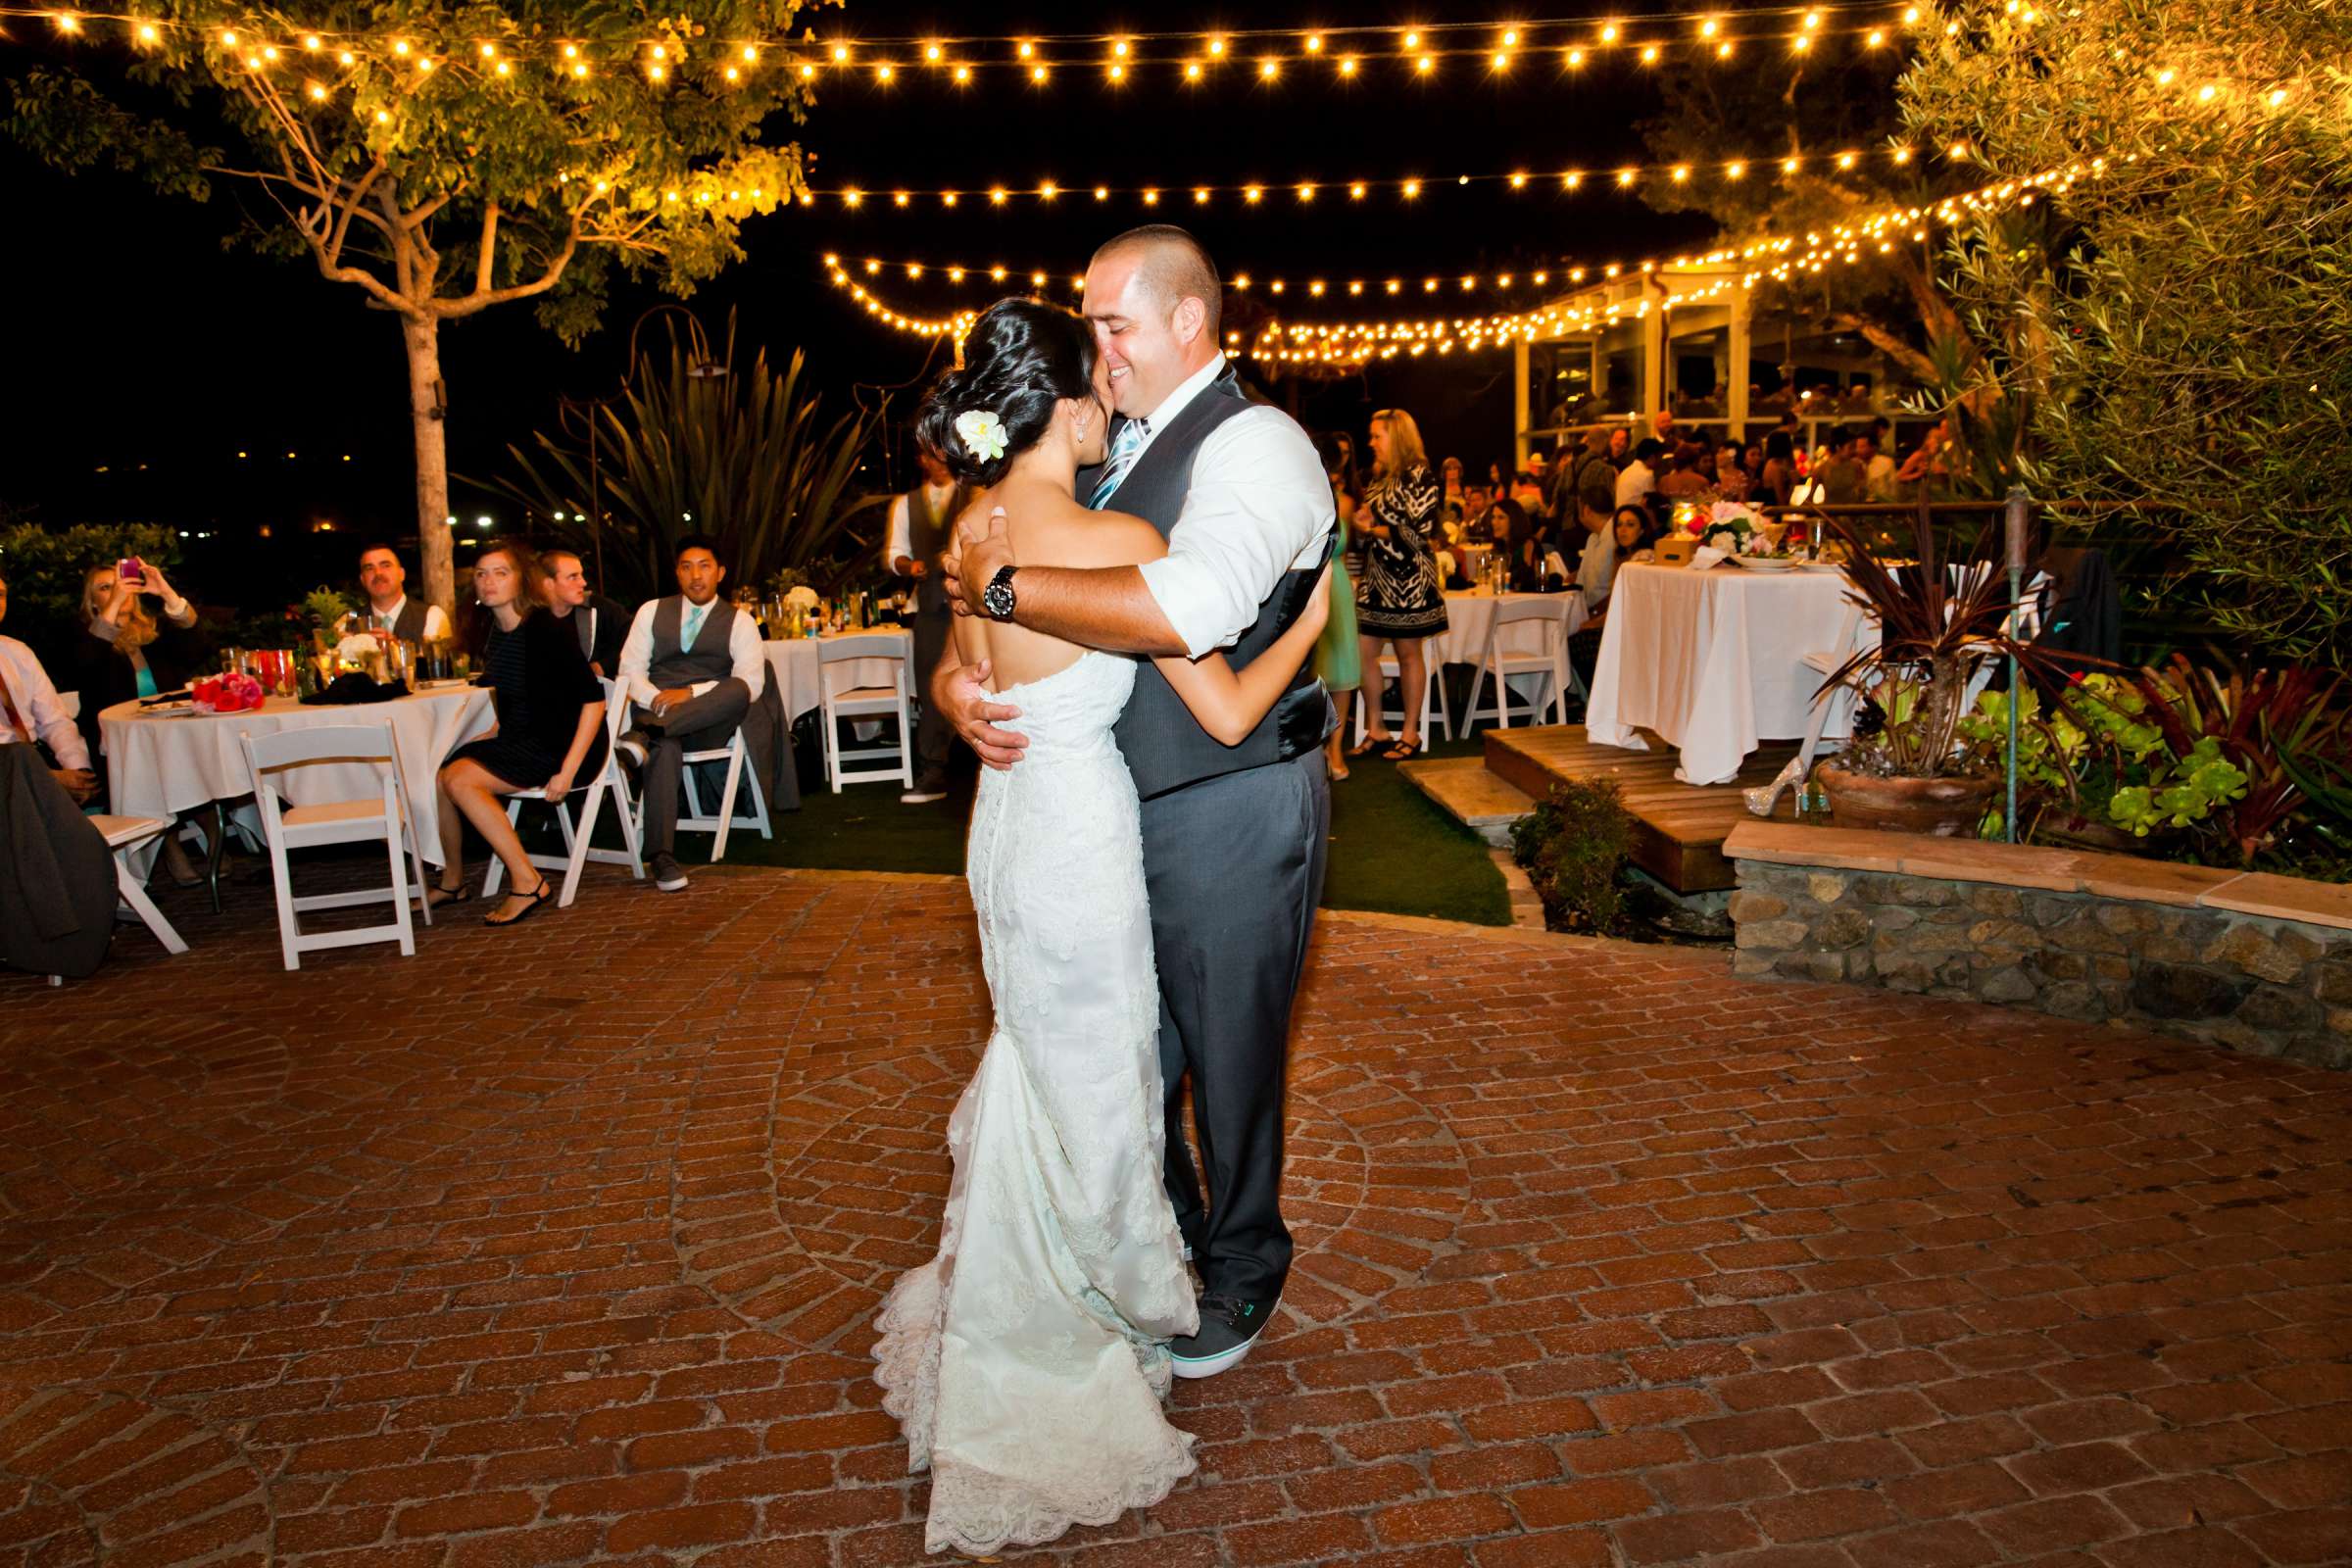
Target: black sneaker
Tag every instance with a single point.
(1229, 1326)
(667, 873)
(928, 787)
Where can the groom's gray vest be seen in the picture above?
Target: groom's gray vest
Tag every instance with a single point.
(1165, 747)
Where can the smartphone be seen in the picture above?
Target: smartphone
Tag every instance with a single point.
(130, 573)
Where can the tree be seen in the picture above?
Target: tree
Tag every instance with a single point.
(1771, 104)
(445, 158)
(2173, 325)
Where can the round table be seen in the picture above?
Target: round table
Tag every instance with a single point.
(159, 763)
(1713, 661)
(793, 664)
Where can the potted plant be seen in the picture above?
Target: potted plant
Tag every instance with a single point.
(1910, 768)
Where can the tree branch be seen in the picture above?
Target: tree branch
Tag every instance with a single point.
(482, 299)
(489, 248)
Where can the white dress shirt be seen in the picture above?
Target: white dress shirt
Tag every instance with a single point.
(436, 622)
(1259, 505)
(36, 702)
(743, 648)
(1634, 484)
(898, 539)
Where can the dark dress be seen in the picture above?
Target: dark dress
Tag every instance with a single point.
(105, 675)
(540, 681)
(1398, 595)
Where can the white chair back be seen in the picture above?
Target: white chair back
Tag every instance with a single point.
(1550, 613)
(273, 759)
(841, 700)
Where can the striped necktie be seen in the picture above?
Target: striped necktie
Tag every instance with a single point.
(1125, 448)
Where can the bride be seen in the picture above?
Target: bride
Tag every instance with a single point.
(1028, 1360)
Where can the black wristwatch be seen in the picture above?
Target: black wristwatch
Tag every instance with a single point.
(997, 597)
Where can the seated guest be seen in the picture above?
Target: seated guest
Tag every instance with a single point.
(1452, 503)
(1878, 469)
(1683, 480)
(1477, 501)
(694, 668)
(549, 735)
(1637, 479)
(389, 608)
(1732, 481)
(600, 623)
(129, 652)
(1526, 488)
(31, 715)
(1597, 563)
(1528, 537)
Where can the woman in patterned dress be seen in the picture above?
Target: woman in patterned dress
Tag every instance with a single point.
(1397, 598)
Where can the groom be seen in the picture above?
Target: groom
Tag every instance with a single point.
(1233, 837)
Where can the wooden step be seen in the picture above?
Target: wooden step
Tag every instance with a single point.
(1679, 828)
(1465, 789)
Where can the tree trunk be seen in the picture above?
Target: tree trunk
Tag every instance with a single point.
(423, 340)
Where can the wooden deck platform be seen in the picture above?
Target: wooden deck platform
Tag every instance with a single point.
(1678, 839)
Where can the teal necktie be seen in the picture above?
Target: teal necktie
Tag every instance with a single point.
(1125, 448)
(694, 626)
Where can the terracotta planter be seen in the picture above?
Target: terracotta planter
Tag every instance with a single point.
(1941, 807)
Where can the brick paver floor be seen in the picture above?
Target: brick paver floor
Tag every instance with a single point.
(559, 1245)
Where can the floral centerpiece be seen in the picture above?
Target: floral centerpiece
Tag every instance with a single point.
(1725, 525)
(232, 693)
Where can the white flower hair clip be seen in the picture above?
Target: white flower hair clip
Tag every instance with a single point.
(982, 433)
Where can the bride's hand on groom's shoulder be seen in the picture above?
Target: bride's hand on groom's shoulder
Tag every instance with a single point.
(962, 695)
(980, 546)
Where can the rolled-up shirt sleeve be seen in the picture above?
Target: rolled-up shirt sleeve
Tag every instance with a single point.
(637, 654)
(1259, 505)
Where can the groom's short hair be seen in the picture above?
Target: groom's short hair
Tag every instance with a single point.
(1174, 267)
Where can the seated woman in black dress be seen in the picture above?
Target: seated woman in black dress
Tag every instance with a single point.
(550, 732)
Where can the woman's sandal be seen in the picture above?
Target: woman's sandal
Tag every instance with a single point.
(1369, 744)
(538, 896)
(1402, 752)
(438, 896)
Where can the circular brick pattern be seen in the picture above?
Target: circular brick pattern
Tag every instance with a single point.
(1372, 1187)
(92, 1478)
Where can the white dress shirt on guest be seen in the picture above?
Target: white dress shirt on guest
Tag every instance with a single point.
(28, 687)
(1261, 505)
(899, 538)
(1634, 484)
(742, 647)
(437, 621)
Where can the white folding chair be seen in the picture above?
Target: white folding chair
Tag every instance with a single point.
(1432, 699)
(124, 834)
(865, 702)
(1551, 662)
(287, 827)
(579, 838)
(742, 783)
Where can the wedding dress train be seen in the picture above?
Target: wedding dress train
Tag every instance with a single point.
(1028, 1360)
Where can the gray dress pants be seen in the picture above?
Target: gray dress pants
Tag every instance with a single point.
(699, 724)
(1235, 868)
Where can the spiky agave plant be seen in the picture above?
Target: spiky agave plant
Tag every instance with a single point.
(1937, 628)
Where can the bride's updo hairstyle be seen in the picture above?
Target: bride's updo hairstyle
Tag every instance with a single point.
(1021, 357)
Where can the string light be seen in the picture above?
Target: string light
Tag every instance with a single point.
(1517, 179)
(1418, 49)
(1687, 279)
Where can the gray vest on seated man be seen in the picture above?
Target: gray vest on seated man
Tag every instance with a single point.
(766, 733)
(408, 626)
(1164, 747)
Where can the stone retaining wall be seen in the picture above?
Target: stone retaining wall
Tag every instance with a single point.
(1953, 920)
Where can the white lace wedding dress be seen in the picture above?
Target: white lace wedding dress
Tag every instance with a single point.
(1027, 1362)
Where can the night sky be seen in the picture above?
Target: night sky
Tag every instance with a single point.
(137, 341)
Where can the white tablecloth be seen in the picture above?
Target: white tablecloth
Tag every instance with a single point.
(156, 765)
(1712, 660)
(793, 664)
(1469, 617)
